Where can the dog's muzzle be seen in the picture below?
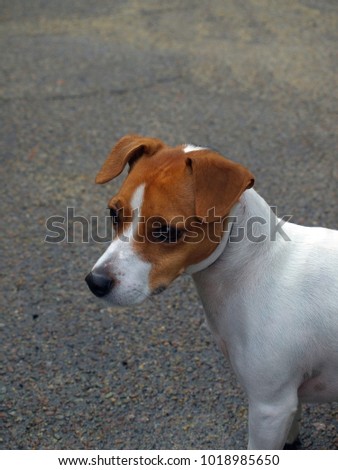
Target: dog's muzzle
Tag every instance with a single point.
(98, 284)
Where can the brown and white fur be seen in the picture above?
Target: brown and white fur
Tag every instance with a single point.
(271, 301)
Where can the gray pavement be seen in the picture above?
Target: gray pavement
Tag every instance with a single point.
(256, 79)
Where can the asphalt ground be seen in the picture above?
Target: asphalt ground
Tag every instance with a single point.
(255, 79)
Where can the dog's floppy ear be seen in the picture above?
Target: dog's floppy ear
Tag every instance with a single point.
(218, 184)
(127, 150)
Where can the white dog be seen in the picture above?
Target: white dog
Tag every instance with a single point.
(269, 288)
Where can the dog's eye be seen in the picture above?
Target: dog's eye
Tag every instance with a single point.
(167, 234)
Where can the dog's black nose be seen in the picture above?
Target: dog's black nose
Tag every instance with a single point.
(98, 284)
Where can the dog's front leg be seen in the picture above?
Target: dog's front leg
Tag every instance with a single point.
(292, 440)
(270, 422)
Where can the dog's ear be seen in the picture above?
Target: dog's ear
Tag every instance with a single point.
(127, 150)
(218, 184)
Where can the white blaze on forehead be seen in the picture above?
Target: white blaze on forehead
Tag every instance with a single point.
(121, 247)
(192, 148)
(136, 205)
(123, 264)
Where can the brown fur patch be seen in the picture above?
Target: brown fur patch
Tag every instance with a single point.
(179, 189)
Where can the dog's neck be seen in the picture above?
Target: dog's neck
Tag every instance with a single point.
(241, 258)
(204, 264)
(249, 232)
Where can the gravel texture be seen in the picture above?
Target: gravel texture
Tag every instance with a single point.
(256, 79)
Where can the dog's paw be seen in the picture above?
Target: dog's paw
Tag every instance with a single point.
(296, 445)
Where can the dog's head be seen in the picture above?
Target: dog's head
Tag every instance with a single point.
(169, 214)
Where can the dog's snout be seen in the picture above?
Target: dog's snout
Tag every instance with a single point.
(98, 284)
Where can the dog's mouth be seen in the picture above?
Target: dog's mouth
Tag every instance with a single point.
(104, 287)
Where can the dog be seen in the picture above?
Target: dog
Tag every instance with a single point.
(269, 287)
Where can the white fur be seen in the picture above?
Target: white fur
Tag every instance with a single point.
(121, 263)
(192, 148)
(274, 307)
